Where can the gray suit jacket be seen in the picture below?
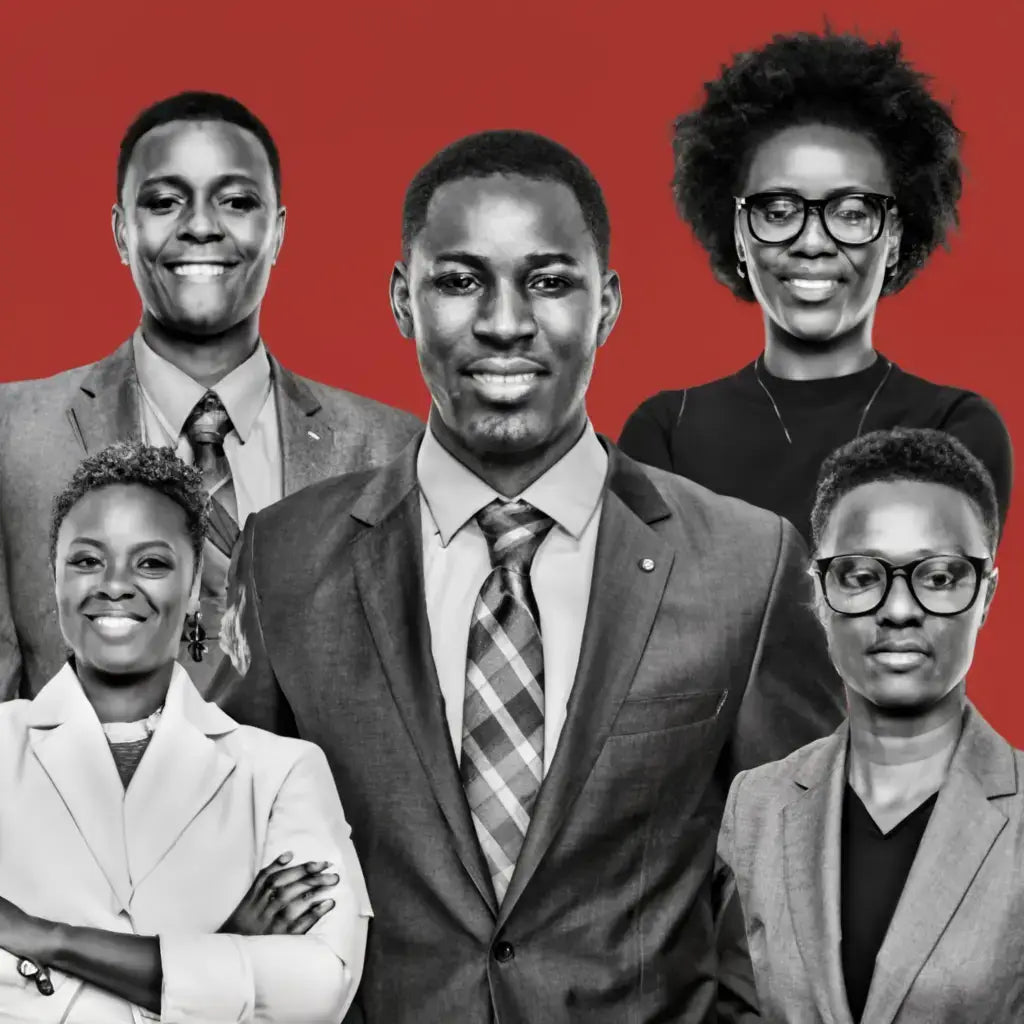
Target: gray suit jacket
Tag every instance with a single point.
(955, 947)
(48, 426)
(708, 663)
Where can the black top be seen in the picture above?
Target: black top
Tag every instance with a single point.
(873, 872)
(726, 436)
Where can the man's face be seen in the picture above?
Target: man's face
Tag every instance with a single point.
(507, 302)
(199, 225)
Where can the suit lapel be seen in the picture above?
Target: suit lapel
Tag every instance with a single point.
(388, 564)
(811, 862)
(611, 649)
(106, 408)
(180, 772)
(963, 827)
(68, 741)
(305, 432)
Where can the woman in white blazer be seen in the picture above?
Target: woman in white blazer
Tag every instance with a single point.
(881, 869)
(159, 861)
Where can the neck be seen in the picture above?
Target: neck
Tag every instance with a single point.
(903, 751)
(509, 473)
(793, 358)
(128, 697)
(205, 359)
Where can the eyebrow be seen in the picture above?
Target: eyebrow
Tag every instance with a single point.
(951, 549)
(92, 542)
(176, 180)
(832, 193)
(534, 260)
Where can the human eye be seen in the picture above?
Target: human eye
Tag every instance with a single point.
(551, 284)
(83, 561)
(943, 574)
(778, 209)
(154, 564)
(853, 209)
(456, 284)
(160, 203)
(854, 574)
(241, 203)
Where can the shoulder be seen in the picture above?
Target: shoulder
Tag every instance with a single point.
(948, 398)
(271, 755)
(39, 394)
(762, 787)
(324, 501)
(368, 411)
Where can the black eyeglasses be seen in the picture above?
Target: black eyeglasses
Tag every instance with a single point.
(853, 218)
(941, 584)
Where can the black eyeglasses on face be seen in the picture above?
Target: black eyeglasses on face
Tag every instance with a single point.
(852, 218)
(941, 584)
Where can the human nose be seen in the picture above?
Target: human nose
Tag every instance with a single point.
(201, 223)
(813, 239)
(506, 316)
(117, 582)
(900, 604)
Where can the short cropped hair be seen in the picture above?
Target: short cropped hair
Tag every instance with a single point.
(197, 106)
(904, 453)
(134, 463)
(507, 152)
(835, 79)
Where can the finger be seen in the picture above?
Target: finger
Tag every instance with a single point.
(275, 864)
(288, 911)
(302, 924)
(304, 886)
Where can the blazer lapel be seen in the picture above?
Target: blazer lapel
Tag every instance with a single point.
(612, 646)
(963, 827)
(180, 772)
(106, 408)
(67, 739)
(305, 433)
(811, 862)
(388, 562)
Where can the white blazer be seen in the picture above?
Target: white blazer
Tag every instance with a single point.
(210, 804)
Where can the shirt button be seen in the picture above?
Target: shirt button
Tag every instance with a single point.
(503, 952)
(647, 564)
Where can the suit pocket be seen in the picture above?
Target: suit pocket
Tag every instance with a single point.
(671, 711)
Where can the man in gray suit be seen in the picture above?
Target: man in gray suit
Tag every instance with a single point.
(534, 664)
(198, 220)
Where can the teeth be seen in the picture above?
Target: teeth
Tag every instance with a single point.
(815, 284)
(505, 378)
(199, 269)
(116, 623)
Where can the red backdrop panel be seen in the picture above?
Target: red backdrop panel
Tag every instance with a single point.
(358, 99)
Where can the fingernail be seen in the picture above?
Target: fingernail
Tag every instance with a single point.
(285, 857)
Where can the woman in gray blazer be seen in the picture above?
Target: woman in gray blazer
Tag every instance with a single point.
(881, 869)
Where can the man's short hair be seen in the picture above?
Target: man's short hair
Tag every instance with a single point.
(131, 462)
(197, 106)
(507, 152)
(903, 453)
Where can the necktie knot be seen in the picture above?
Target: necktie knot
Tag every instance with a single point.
(208, 423)
(514, 530)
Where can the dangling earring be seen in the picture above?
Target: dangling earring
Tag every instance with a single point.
(196, 636)
(740, 270)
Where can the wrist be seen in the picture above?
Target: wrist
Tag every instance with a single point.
(49, 941)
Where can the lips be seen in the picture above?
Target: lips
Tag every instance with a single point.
(199, 270)
(900, 655)
(812, 289)
(115, 624)
(505, 380)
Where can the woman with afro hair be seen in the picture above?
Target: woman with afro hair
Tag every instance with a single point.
(819, 174)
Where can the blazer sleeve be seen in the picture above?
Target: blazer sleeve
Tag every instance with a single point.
(283, 979)
(975, 421)
(737, 992)
(647, 435)
(244, 684)
(10, 649)
(793, 695)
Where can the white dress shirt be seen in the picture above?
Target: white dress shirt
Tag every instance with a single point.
(456, 563)
(252, 448)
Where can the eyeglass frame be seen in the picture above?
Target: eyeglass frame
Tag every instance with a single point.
(983, 570)
(810, 205)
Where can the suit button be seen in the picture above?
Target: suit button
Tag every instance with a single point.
(503, 952)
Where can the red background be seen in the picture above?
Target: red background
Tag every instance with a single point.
(358, 99)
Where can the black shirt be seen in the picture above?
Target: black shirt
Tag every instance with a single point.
(726, 436)
(873, 872)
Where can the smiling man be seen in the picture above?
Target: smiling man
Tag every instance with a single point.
(199, 223)
(533, 664)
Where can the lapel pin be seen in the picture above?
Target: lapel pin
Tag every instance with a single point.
(647, 564)
(316, 437)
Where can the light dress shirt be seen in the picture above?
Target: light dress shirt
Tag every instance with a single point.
(456, 563)
(252, 448)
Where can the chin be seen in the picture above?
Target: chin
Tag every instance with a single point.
(504, 434)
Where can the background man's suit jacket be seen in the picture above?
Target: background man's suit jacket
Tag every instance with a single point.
(48, 426)
(955, 948)
(708, 663)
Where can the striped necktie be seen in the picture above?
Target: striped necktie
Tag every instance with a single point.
(503, 713)
(206, 427)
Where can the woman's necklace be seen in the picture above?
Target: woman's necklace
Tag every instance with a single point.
(863, 415)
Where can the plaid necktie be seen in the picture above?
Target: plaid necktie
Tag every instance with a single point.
(503, 713)
(206, 427)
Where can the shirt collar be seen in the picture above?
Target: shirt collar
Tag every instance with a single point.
(174, 393)
(569, 492)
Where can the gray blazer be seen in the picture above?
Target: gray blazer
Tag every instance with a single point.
(708, 662)
(48, 426)
(955, 948)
